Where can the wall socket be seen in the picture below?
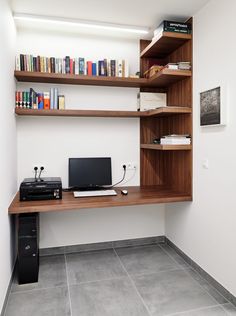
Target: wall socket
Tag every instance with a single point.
(130, 165)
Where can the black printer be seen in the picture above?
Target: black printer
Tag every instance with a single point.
(32, 189)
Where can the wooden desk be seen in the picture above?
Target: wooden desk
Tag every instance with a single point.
(136, 196)
(28, 218)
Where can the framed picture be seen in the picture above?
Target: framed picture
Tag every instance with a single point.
(212, 107)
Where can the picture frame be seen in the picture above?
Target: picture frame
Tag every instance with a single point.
(213, 107)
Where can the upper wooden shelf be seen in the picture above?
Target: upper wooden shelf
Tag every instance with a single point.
(161, 79)
(165, 147)
(165, 44)
(136, 196)
(166, 77)
(43, 77)
(164, 111)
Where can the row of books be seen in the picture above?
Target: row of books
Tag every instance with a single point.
(40, 100)
(172, 26)
(76, 66)
(175, 139)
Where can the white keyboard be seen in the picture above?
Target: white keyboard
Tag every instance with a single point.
(94, 193)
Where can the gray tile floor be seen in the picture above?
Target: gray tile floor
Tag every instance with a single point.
(134, 281)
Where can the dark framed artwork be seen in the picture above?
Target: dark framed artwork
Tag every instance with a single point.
(211, 107)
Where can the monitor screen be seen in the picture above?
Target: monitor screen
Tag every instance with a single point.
(89, 172)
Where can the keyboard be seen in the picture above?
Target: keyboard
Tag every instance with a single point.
(94, 193)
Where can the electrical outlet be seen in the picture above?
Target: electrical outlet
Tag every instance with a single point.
(130, 165)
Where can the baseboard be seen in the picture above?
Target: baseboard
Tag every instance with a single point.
(8, 292)
(102, 245)
(225, 293)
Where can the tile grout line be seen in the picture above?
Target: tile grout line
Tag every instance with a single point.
(194, 310)
(67, 279)
(132, 282)
(198, 273)
(194, 279)
(40, 289)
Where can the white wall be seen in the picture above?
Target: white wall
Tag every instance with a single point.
(7, 143)
(205, 229)
(51, 141)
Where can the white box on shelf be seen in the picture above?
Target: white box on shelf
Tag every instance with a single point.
(150, 100)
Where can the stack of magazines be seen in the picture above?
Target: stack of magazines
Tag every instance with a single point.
(176, 139)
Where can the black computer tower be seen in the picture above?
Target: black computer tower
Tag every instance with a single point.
(28, 248)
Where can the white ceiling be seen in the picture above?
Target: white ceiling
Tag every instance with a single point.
(132, 12)
(147, 13)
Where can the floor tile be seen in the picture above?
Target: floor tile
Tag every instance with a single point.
(209, 311)
(171, 292)
(210, 289)
(52, 272)
(47, 302)
(171, 252)
(92, 266)
(230, 309)
(115, 297)
(145, 259)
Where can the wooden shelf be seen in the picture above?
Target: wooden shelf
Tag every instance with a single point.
(165, 44)
(161, 79)
(27, 76)
(166, 77)
(79, 113)
(168, 111)
(165, 147)
(164, 111)
(136, 196)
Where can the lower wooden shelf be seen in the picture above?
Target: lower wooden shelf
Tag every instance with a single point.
(136, 196)
(165, 147)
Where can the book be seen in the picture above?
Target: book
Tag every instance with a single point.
(101, 69)
(67, 64)
(81, 65)
(61, 102)
(173, 26)
(33, 99)
(119, 68)
(46, 100)
(165, 141)
(94, 69)
(52, 98)
(172, 66)
(113, 67)
(40, 101)
(89, 68)
(55, 98)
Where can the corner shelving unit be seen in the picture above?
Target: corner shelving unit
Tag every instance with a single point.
(168, 166)
(166, 170)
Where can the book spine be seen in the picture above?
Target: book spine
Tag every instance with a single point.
(81, 66)
(119, 68)
(46, 101)
(61, 102)
(105, 67)
(20, 98)
(17, 65)
(16, 99)
(94, 69)
(22, 66)
(89, 68)
(40, 101)
(55, 106)
(113, 68)
(52, 98)
(71, 66)
(76, 66)
(67, 59)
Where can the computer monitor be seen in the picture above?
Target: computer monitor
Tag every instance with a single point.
(89, 173)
